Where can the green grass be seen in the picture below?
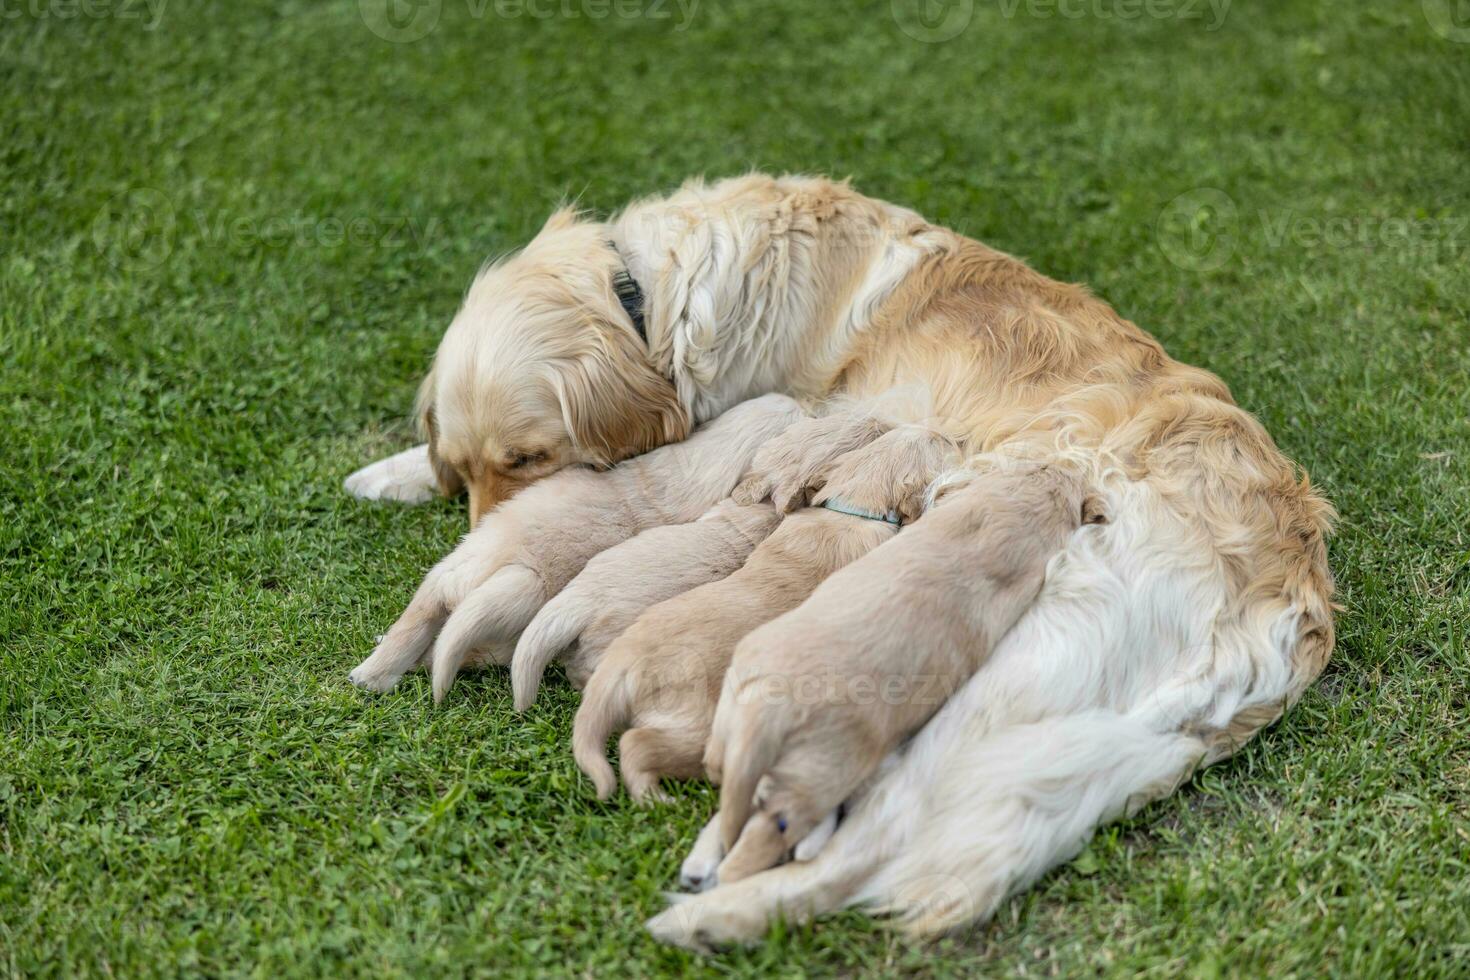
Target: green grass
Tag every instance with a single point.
(193, 358)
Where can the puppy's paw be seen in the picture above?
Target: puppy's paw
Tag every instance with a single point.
(699, 872)
(364, 677)
(407, 478)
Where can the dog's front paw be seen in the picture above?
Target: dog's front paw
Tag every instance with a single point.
(407, 477)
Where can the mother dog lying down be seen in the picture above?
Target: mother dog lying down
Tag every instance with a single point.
(603, 339)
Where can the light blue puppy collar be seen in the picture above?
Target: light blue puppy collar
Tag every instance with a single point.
(843, 507)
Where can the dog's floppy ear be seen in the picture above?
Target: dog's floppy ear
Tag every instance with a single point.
(614, 404)
(448, 478)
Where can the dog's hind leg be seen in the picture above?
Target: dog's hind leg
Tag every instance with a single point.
(742, 911)
(497, 611)
(402, 647)
(554, 628)
(647, 754)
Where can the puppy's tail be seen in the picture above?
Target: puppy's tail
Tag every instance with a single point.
(554, 629)
(496, 611)
(607, 705)
(749, 755)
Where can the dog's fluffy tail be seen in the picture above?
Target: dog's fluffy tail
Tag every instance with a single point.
(495, 612)
(749, 754)
(607, 705)
(554, 629)
(1021, 801)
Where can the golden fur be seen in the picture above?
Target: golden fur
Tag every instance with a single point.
(661, 679)
(803, 286)
(815, 700)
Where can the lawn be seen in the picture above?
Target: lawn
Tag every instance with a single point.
(232, 234)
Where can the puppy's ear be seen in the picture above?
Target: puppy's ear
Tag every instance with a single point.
(614, 404)
(450, 482)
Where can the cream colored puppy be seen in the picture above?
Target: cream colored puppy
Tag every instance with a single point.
(619, 584)
(479, 598)
(661, 679)
(815, 700)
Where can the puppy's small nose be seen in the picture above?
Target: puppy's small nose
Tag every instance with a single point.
(690, 883)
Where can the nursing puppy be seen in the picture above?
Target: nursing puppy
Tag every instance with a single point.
(815, 700)
(483, 594)
(619, 584)
(661, 679)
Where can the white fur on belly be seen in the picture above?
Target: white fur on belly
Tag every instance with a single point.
(407, 477)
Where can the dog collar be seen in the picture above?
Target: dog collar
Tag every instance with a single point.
(842, 507)
(630, 294)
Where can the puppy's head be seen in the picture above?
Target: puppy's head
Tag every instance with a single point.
(892, 473)
(542, 369)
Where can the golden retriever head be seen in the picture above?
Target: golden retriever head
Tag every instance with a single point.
(542, 369)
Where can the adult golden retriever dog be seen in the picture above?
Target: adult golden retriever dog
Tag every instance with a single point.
(1203, 609)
